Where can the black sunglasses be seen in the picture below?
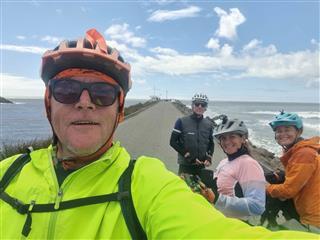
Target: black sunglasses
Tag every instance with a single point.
(197, 104)
(68, 91)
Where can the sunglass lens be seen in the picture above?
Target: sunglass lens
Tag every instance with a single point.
(66, 92)
(103, 94)
(201, 104)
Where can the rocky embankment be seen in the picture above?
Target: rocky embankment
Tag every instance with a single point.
(3, 100)
(267, 159)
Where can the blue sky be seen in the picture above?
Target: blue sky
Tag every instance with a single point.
(230, 50)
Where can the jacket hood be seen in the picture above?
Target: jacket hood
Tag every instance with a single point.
(313, 143)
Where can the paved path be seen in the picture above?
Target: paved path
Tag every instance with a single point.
(148, 133)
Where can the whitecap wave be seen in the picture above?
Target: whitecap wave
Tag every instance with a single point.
(263, 122)
(266, 143)
(315, 127)
(263, 112)
(310, 114)
(19, 103)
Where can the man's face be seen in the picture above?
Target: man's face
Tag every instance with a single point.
(83, 127)
(199, 107)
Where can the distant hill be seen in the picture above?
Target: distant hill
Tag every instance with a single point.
(3, 100)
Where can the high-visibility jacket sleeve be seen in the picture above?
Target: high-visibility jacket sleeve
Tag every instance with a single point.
(168, 209)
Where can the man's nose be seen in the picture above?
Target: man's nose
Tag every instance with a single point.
(85, 101)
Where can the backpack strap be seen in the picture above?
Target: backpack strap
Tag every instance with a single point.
(127, 207)
(123, 196)
(13, 170)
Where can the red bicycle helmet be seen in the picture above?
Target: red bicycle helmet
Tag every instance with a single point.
(91, 52)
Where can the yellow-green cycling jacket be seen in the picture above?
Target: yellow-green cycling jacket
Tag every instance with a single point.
(166, 207)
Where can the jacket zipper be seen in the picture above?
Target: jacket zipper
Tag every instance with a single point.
(60, 192)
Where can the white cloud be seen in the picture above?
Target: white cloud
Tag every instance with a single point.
(226, 50)
(164, 15)
(51, 39)
(19, 86)
(23, 49)
(162, 2)
(139, 81)
(254, 47)
(121, 33)
(164, 51)
(302, 65)
(20, 37)
(228, 23)
(213, 43)
(252, 44)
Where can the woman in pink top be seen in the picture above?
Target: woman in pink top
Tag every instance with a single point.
(239, 178)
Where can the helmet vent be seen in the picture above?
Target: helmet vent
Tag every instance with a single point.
(120, 59)
(109, 49)
(87, 44)
(230, 124)
(72, 44)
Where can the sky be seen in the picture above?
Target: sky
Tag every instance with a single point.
(229, 50)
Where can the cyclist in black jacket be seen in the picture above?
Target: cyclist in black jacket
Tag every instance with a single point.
(192, 138)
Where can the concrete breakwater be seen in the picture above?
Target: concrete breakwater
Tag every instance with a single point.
(148, 133)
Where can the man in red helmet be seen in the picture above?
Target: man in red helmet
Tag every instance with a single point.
(81, 187)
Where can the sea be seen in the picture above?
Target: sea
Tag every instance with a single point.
(26, 119)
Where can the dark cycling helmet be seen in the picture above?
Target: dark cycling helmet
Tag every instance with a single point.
(286, 119)
(199, 97)
(92, 52)
(231, 126)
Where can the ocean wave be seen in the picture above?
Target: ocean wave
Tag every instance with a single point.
(264, 112)
(266, 143)
(315, 127)
(301, 114)
(19, 103)
(264, 122)
(309, 114)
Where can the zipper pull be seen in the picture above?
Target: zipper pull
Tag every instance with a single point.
(58, 199)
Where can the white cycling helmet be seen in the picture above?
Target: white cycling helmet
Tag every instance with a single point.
(231, 126)
(200, 97)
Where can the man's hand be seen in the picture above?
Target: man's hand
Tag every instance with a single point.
(207, 163)
(198, 162)
(187, 154)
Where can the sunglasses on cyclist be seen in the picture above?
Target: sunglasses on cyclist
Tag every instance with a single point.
(68, 91)
(197, 104)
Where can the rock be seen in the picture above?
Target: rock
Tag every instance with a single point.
(3, 100)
